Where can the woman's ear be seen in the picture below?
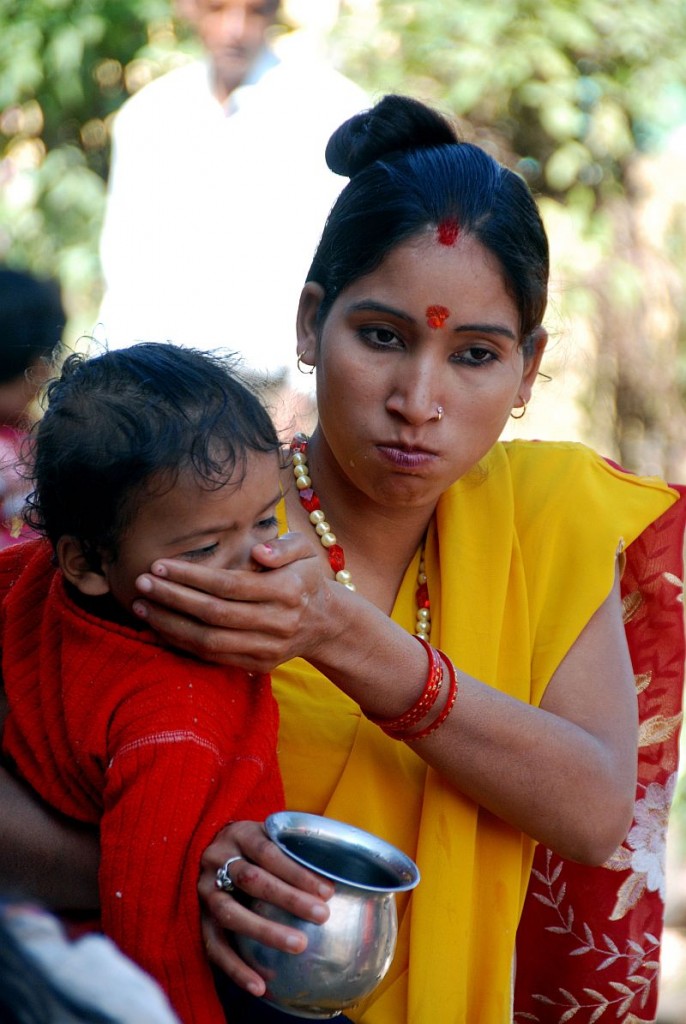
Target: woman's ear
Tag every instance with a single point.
(77, 569)
(536, 347)
(306, 322)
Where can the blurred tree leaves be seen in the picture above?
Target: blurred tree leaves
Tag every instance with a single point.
(65, 67)
(573, 87)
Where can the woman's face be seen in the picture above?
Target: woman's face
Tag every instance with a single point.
(433, 326)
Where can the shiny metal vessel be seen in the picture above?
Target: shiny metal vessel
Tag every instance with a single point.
(346, 957)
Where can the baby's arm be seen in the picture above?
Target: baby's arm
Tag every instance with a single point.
(178, 773)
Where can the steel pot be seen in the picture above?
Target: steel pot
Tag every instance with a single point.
(348, 955)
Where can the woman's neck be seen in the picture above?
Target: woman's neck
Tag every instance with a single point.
(379, 541)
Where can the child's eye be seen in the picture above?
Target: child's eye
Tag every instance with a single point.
(199, 553)
(271, 523)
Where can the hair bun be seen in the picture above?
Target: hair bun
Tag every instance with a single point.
(395, 124)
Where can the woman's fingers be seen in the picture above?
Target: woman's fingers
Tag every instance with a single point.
(291, 558)
(220, 953)
(254, 648)
(253, 651)
(264, 872)
(294, 888)
(260, 884)
(197, 589)
(255, 620)
(287, 549)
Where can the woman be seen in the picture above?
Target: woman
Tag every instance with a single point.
(423, 314)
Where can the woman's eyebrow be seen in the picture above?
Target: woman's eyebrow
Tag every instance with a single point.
(507, 332)
(372, 306)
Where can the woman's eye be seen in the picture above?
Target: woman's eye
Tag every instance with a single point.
(380, 337)
(199, 553)
(475, 356)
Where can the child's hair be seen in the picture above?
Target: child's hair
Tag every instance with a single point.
(32, 320)
(130, 419)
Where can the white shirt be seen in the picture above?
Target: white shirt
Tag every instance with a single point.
(90, 971)
(214, 214)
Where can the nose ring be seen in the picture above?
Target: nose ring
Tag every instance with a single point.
(439, 413)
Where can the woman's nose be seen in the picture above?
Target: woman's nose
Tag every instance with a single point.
(416, 397)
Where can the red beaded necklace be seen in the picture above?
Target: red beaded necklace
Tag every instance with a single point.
(334, 551)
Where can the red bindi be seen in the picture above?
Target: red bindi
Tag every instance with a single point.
(436, 316)
(448, 230)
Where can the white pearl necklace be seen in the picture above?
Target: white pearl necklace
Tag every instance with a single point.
(335, 553)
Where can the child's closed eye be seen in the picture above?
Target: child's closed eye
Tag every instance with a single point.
(199, 553)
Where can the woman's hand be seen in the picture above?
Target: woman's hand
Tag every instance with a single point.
(266, 873)
(254, 620)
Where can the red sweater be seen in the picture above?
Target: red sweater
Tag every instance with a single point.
(156, 748)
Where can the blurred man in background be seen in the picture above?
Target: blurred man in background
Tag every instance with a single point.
(217, 192)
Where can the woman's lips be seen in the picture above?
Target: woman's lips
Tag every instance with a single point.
(406, 457)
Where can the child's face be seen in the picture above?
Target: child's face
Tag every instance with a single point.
(216, 527)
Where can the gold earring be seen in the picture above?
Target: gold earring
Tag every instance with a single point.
(309, 372)
(522, 414)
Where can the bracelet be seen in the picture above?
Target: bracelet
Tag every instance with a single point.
(445, 711)
(426, 700)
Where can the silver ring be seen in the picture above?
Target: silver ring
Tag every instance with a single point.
(224, 881)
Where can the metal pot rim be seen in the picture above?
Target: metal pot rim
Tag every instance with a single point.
(284, 825)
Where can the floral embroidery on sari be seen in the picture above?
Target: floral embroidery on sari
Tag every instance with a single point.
(588, 944)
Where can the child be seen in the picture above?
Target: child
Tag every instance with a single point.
(148, 452)
(32, 320)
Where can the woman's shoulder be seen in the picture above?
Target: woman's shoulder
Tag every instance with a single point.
(555, 466)
(533, 474)
(529, 458)
(573, 485)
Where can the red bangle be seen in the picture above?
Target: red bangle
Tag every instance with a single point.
(426, 700)
(445, 711)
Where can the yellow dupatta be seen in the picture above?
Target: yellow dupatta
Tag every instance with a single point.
(519, 556)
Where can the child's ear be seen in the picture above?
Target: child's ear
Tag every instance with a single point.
(77, 569)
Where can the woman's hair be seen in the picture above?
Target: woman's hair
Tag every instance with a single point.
(121, 422)
(408, 172)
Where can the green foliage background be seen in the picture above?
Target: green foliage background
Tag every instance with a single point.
(573, 88)
(65, 67)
